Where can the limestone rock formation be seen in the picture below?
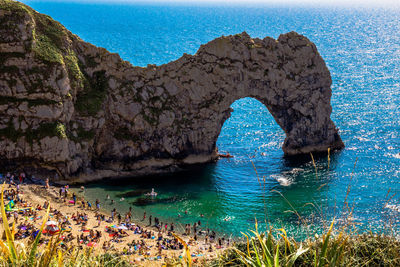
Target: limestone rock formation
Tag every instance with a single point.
(75, 109)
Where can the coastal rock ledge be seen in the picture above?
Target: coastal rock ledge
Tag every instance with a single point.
(73, 109)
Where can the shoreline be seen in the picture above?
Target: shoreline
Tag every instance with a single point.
(36, 194)
(106, 209)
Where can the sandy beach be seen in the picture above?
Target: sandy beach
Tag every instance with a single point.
(141, 243)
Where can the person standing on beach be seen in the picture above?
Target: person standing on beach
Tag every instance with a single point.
(144, 216)
(150, 220)
(130, 212)
(74, 198)
(119, 218)
(16, 217)
(97, 204)
(62, 192)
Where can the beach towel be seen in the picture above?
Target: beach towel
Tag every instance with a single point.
(10, 205)
(35, 233)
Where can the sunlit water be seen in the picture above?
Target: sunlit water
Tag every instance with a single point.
(362, 51)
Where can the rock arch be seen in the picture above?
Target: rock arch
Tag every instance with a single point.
(85, 113)
(288, 76)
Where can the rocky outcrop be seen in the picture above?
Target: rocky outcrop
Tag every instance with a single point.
(75, 109)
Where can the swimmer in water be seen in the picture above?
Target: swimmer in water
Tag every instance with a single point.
(122, 199)
(227, 218)
(152, 193)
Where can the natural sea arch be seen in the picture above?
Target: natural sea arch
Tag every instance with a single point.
(288, 76)
(89, 114)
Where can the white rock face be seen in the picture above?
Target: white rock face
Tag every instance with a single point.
(92, 114)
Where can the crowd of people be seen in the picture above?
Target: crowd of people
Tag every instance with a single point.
(89, 226)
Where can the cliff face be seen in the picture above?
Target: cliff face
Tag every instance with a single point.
(75, 109)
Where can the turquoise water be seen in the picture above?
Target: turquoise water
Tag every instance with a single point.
(362, 50)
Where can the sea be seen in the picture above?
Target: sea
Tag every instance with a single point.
(360, 184)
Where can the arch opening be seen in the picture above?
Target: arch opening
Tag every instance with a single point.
(250, 131)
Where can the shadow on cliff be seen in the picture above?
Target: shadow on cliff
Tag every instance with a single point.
(302, 159)
(200, 174)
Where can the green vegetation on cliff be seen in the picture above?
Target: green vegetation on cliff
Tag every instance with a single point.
(90, 100)
(75, 74)
(46, 50)
(45, 129)
(123, 133)
(51, 43)
(48, 36)
(81, 135)
(17, 8)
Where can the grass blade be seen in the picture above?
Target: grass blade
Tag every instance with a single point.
(35, 244)
(189, 258)
(10, 238)
(276, 258)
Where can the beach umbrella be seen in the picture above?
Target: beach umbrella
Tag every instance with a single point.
(122, 227)
(51, 223)
(91, 244)
(52, 229)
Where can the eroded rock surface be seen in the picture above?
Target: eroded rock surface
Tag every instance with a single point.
(76, 109)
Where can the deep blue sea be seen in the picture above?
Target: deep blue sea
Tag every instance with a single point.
(362, 50)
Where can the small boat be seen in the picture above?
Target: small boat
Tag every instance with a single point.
(227, 155)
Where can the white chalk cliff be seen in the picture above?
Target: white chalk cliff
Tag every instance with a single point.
(69, 107)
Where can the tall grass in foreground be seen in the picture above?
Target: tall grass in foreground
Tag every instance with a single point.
(262, 249)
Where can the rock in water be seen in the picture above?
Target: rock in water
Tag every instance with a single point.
(74, 109)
